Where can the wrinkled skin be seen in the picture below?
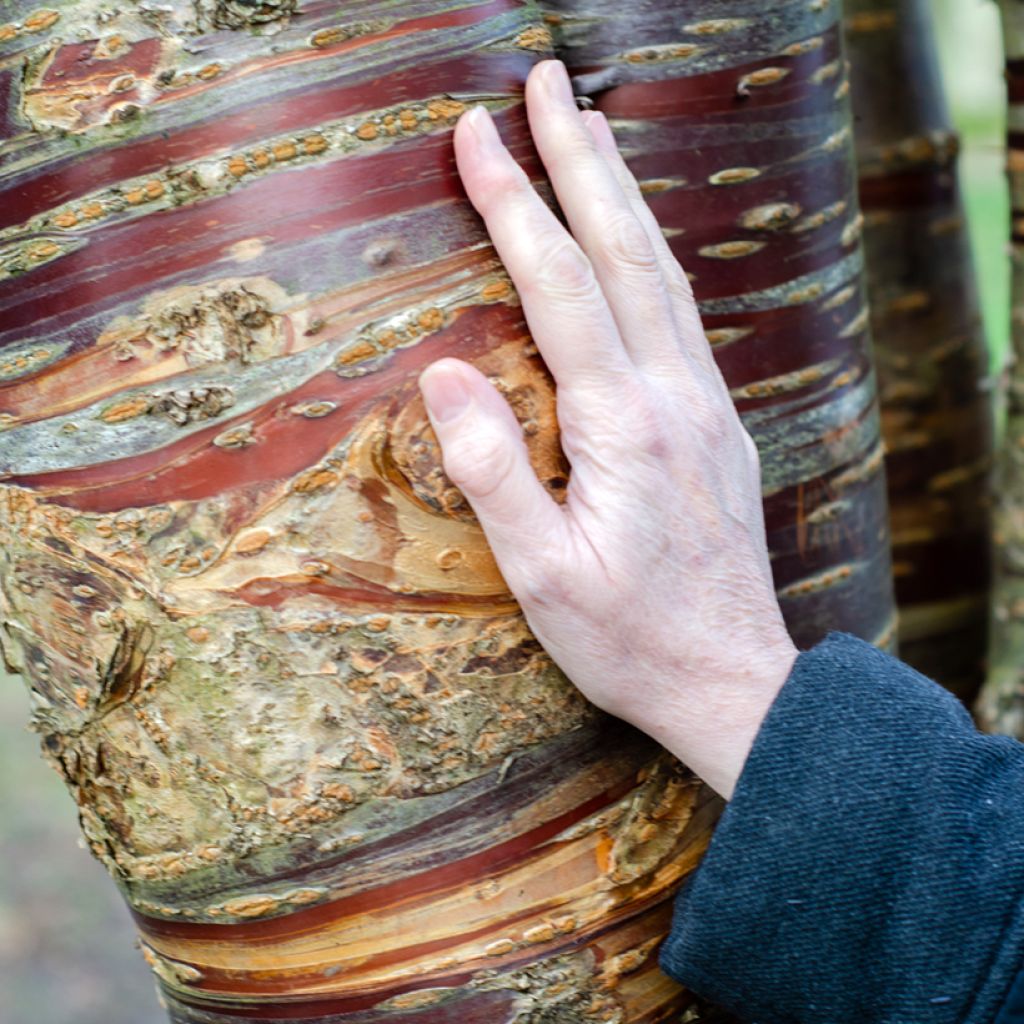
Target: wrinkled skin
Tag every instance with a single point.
(661, 536)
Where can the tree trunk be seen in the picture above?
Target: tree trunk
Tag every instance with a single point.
(308, 732)
(739, 131)
(929, 343)
(1001, 706)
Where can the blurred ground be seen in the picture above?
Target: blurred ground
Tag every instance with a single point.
(66, 944)
(67, 953)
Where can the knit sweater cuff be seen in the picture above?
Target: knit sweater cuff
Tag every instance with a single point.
(870, 865)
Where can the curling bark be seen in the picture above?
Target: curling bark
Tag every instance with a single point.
(308, 732)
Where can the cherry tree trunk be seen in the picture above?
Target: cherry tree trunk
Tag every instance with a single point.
(929, 342)
(738, 129)
(1001, 706)
(308, 732)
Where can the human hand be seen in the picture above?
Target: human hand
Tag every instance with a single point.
(650, 587)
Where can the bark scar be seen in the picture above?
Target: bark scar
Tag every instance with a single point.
(122, 677)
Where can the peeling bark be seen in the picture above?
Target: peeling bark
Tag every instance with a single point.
(309, 734)
(929, 343)
(1001, 705)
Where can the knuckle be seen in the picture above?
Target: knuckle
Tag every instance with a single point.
(479, 462)
(648, 429)
(627, 247)
(539, 584)
(565, 273)
(652, 438)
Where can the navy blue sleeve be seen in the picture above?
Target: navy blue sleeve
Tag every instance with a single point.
(869, 868)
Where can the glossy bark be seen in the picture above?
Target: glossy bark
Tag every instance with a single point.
(1001, 706)
(308, 733)
(738, 129)
(929, 343)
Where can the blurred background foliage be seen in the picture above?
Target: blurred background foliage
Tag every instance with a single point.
(67, 953)
(970, 50)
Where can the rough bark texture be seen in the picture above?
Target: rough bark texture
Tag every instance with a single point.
(308, 733)
(929, 342)
(1001, 706)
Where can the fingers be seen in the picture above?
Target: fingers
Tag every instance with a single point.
(602, 219)
(486, 458)
(684, 305)
(562, 300)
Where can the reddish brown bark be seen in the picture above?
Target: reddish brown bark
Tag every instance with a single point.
(738, 130)
(308, 732)
(929, 343)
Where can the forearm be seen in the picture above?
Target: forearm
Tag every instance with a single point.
(871, 864)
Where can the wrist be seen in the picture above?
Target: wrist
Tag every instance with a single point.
(711, 726)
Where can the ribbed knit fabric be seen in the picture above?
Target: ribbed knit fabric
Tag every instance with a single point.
(870, 866)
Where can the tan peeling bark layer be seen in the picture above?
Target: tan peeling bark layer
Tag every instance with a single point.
(1001, 705)
(308, 732)
(929, 343)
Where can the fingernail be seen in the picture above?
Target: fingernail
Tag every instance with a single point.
(481, 124)
(556, 82)
(445, 394)
(597, 125)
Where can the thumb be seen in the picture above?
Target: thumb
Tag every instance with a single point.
(485, 457)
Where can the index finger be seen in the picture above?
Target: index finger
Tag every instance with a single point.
(562, 300)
